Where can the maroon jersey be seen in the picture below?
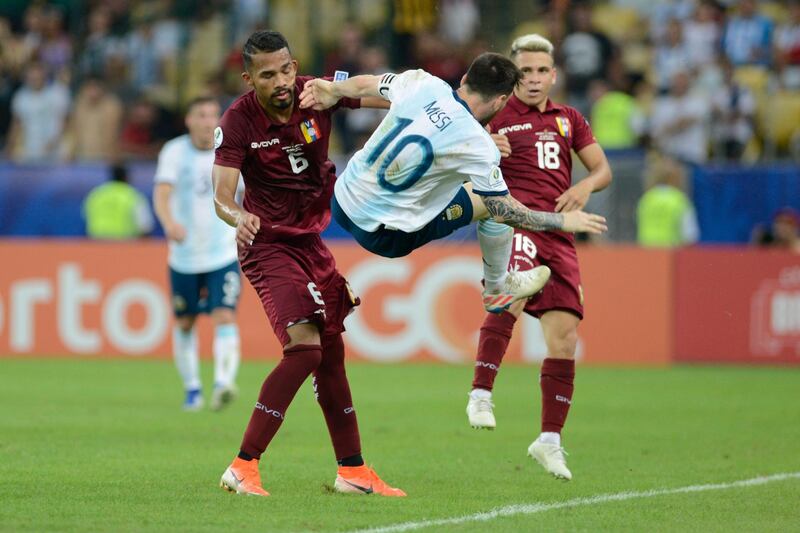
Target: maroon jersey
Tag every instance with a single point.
(539, 168)
(287, 174)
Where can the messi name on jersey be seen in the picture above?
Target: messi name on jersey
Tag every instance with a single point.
(310, 130)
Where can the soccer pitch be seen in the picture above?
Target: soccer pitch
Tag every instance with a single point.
(103, 445)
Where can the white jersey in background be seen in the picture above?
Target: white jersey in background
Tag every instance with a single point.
(417, 159)
(210, 243)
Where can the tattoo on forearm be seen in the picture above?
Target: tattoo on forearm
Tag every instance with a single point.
(509, 211)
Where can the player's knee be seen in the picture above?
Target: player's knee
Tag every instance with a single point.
(564, 344)
(223, 315)
(185, 323)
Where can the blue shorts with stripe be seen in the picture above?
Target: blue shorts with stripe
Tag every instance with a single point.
(396, 243)
(203, 292)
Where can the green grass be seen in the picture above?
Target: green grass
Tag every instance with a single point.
(102, 445)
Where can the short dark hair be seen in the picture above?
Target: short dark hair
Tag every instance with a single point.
(262, 41)
(199, 100)
(492, 74)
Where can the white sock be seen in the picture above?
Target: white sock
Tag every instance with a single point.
(226, 354)
(184, 347)
(480, 394)
(495, 240)
(549, 437)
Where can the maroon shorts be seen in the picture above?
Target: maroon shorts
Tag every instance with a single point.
(557, 251)
(297, 282)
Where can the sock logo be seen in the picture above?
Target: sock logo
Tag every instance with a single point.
(349, 410)
(271, 412)
(563, 399)
(490, 366)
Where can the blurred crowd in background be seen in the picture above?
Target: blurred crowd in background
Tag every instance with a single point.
(697, 81)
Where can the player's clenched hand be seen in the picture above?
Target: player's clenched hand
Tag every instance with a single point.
(581, 221)
(501, 141)
(175, 232)
(574, 198)
(317, 94)
(246, 228)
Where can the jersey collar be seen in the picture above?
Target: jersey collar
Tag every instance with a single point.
(521, 107)
(295, 118)
(462, 102)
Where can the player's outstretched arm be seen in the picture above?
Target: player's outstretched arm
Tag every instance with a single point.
(226, 181)
(321, 94)
(508, 210)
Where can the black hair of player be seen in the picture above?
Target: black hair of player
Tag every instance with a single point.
(199, 100)
(119, 172)
(492, 75)
(260, 42)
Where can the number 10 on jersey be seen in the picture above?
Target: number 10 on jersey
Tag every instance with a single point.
(419, 170)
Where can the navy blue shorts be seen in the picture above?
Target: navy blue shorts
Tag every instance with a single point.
(193, 294)
(395, 243)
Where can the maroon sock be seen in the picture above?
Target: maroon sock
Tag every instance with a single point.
(333, 393)
(556, 384)
(276, 394)
(495, 336)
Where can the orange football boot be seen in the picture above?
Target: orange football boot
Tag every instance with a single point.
(242, 477)
(362, 480)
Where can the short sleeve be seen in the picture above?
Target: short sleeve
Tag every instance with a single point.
(396, 87)
(168, 163)
(490, 183)
(583, 132)
(229, 145)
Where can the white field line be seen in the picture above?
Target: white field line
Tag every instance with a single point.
(533, 508)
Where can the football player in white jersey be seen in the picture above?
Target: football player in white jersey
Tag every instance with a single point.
(203, 265)
(430, 168)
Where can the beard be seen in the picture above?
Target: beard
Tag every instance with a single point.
(282, 104)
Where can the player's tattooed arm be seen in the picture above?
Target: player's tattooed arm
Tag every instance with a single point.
(508, 210)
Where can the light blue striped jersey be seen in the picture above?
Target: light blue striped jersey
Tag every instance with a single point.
(210, 243)
(414, 163)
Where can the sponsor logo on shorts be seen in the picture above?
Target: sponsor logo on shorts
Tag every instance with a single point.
(178, 303)
(217, 137)
(454, 212)
(271, 412)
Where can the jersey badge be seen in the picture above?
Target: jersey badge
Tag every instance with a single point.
(217, 137)
(310, 130)
(564, 127)
(454, 212)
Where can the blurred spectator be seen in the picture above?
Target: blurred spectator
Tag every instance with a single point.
(665, 215)
(361, 123)
(55, 50)
(784, 232)
(347, 55)
(679, 124)
(616, 119)
(99, 43)
(748, 37)
(458, 21)
(435, 56)
(34, 29)
(94, 126)
(116, 210)
(586, 53)
(664, 11)
(702, 33)
(38, 112)
(671, 56)
(138, 139)
(733, 112)
(787, 48)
